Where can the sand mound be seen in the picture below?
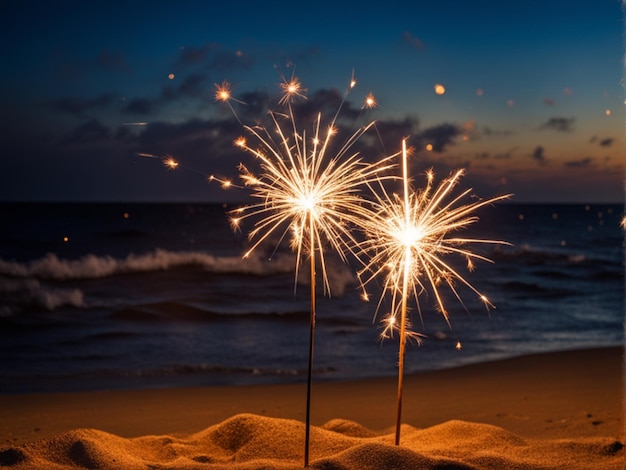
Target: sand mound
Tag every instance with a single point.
(248, 441)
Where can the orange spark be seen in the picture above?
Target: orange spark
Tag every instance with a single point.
(223, 92)
(370, 101)
(170, 163)
(292, 89)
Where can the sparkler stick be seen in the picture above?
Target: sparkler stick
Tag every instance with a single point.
(308, 193)
(407, 237)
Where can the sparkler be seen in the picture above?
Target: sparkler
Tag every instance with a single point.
(308, 192)
(407, 237)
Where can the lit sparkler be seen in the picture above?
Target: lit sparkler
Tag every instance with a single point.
(308, 192)
(407, 237)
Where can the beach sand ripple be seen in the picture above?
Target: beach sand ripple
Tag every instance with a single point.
(249, 441)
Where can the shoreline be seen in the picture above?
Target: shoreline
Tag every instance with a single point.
(577, 393)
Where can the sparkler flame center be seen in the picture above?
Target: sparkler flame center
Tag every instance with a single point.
(308, 202)
(410, 236)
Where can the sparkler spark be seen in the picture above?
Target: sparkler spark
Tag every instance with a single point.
(370, 101)
(302, 189)
(167, 160)
(223, 94)
(407, 238)
(307, 192)
(292, 89)
(172, 164)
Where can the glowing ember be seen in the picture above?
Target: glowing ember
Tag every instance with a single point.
(370, 101)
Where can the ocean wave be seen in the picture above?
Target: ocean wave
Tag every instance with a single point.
(52, 268)
(24, 294)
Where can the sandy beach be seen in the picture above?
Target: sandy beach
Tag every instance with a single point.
(550, 411)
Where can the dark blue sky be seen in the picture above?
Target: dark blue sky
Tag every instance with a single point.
(534, 101)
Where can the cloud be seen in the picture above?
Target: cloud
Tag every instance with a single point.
(507, 154)
(606, 142)
(440, 136)
(559, 124)
(81, 107)
(488, 131)
(257, 103)
(326, 102)
(212, 56)
(539, 155)
(412, 41)
(91, 132)
(192, 86)
(582, 163)
(139, 106)
(394, 130)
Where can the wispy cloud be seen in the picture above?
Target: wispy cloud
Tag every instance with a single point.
(539, 155)
(582, 163)
(606, 142)
(440, 136)
(560, 124)
(412, 41)
(91, 132)
(212, 56)
(82, 107)
(139, 107)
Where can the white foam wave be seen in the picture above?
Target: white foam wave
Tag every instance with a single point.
(30, 292)
(53, 268)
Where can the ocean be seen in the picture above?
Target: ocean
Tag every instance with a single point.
(119, 296)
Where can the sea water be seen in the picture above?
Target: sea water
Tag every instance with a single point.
(109, 296)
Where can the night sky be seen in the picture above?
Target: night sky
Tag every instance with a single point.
(533, 102)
